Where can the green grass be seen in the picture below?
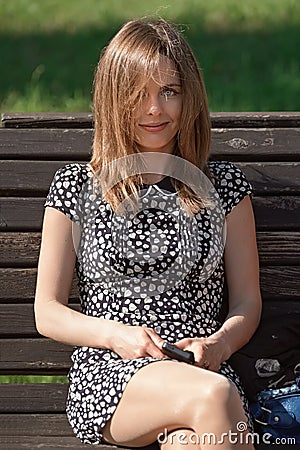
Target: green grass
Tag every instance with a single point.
(248, 50)
(22, 379)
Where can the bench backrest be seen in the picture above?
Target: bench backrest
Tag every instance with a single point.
(32, 147)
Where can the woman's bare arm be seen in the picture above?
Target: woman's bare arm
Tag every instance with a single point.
(56, 320)
(242, 275)
(55, 274)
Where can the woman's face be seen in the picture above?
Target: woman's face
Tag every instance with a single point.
(157, 118)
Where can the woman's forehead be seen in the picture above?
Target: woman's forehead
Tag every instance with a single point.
(166, 72)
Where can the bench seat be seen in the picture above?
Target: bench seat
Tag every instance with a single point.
(32, 147)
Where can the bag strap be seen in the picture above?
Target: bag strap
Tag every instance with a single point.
(268, 394)
(276, 419)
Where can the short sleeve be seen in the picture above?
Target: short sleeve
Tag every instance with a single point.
(65, 188)
(230, 183)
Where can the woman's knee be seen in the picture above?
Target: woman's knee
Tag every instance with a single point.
(212, 396)
(221, 390)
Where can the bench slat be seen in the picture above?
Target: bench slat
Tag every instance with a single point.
(38, 397)
(33, 178)
(48, 443)
(46, 144)
(264, 145)
(242, 144)
(237, 144)
(44, 356)
(19, 249)
(271, 213)
(40, 356)
(18, 319)
(19, 284)
(35, 425)
(84, 119)
(277, 283)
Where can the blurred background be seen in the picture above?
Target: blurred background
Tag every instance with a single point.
(249, 50)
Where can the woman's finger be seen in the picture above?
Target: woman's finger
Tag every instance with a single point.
(183, 343)
(155, 344)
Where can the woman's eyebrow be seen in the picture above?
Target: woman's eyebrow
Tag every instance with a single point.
(172, 84)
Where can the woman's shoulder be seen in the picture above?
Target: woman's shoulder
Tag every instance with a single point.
(218, 169)
(66, 187)
(230, 182)
(74, 171)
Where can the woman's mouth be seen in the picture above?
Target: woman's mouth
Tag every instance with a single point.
(154, 127)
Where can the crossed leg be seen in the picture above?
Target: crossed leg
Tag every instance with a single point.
(169, 395)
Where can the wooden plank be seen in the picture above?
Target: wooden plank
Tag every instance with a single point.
(35, 425)
(34, 356)
(19, 284)
(43, 356)
(55, 443)
(29, 177)
(45, 443)
(47, 120)
(256, 144)
(23, 213)
(47, 357)
(271, 213)
(34, 177)
(84, 119)
(273, 178)
(236, 144)
(18, 250)
(280, 283)
(277, 213)
(255, 119)
(46, 144)
(18, 320)
(277, 248)
(277, 283)
(53, 358)
(38, 397)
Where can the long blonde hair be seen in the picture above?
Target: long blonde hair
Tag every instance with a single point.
(125, 66)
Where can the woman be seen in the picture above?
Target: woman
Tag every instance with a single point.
(149, 99)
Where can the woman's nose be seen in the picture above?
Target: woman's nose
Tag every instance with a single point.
(153, 105)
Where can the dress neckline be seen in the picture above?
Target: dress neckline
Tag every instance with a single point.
(165, 184)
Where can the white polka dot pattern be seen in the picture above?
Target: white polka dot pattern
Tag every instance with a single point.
(98, 377)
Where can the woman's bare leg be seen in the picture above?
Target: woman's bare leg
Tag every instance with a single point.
(172, 395)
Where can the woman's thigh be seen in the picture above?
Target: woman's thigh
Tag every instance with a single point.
(162, 395)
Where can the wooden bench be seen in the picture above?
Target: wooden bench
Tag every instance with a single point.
(265, 146)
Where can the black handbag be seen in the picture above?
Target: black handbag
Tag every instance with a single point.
(277, 412)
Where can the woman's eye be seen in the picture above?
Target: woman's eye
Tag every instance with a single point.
(168, 92)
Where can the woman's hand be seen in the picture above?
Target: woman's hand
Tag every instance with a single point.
(209, 352)
(136, 342)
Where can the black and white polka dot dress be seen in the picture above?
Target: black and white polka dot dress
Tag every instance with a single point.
(114, 286)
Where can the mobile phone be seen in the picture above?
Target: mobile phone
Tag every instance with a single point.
(174, 352)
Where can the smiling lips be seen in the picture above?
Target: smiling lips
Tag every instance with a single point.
(154, 127)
